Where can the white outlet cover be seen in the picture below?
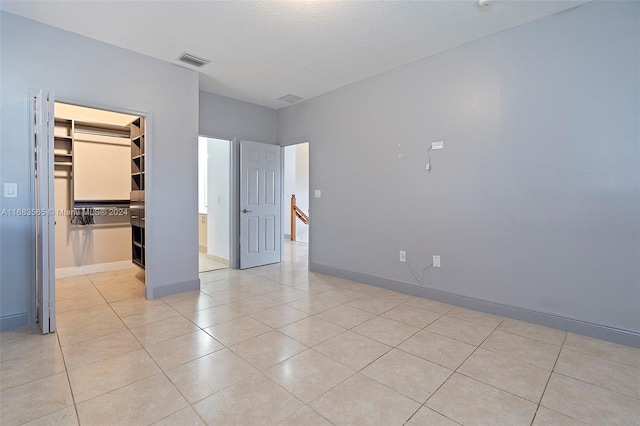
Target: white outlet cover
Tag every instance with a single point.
(437, 145)
(318, 193)
(436, 261)
(11, 190)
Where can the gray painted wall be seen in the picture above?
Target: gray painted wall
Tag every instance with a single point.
(86, 71)
(226, 118)
(230, 119)
(535, 201)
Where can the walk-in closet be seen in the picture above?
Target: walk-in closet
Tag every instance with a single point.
(99, 170)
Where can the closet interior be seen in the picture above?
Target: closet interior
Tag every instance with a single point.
(99, 170)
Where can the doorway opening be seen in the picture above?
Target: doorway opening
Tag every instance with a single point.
(296, 200)
(214, 229)
(99, 180)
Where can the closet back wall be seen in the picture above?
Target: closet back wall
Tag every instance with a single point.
(101, 171)
(76, 245)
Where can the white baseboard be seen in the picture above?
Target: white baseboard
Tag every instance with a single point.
(92, 269)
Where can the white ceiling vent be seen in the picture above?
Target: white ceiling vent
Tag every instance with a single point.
(290, 98)
(193, 60)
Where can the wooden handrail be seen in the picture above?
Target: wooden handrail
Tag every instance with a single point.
(293, 217)
(302, 215)
(296, 212)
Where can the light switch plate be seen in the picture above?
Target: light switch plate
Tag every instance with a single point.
(318, 193)
(10, 190)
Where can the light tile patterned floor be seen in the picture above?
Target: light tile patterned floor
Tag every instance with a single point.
(282, 345)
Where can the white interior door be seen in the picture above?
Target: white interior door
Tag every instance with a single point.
(260, 204)
(43, 125)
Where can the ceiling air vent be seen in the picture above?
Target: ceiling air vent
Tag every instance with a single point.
(290, 98)
(193, 60)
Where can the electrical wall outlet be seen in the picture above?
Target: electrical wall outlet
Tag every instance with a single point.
(437, 145)
(436, 261)
(403, 256)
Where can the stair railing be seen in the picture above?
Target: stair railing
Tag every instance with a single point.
(296, 212)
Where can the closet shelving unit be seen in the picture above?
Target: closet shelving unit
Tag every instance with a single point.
(63, 150)
(63, 143)
(137, 209)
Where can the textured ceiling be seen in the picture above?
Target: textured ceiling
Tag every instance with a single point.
(260, 51)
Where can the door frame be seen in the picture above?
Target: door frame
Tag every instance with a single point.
(149, 149)
(234, 194)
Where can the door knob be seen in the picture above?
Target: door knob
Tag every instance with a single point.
(246, 211)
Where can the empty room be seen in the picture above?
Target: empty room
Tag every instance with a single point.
(320, 212)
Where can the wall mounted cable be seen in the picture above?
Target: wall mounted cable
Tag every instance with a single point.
(421, 274)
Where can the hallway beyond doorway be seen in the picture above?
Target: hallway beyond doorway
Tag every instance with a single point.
(214, 223)
(207, 264)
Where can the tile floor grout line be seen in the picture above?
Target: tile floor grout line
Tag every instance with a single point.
(500, 389)
(597, 386)
(548, 380)
(512, 357)
(451, 375)
(218, 391)
(311, 408)
(304, 404)
(601, 357)
(531, 338)
(356, 372)
(66, 372)
(428, 360)
(410, 417)
(473, 322)
(279, 385)
(366, 365)
(120, 387)
(85, 307)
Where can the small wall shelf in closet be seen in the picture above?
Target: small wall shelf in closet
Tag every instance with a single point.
(63, 150)
(137, 209)
(63, 142)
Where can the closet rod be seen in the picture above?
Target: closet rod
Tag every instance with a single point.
(124, 143)
(102, 133)
(103, 129)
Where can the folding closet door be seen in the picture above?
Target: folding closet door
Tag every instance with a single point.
(43, 213)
